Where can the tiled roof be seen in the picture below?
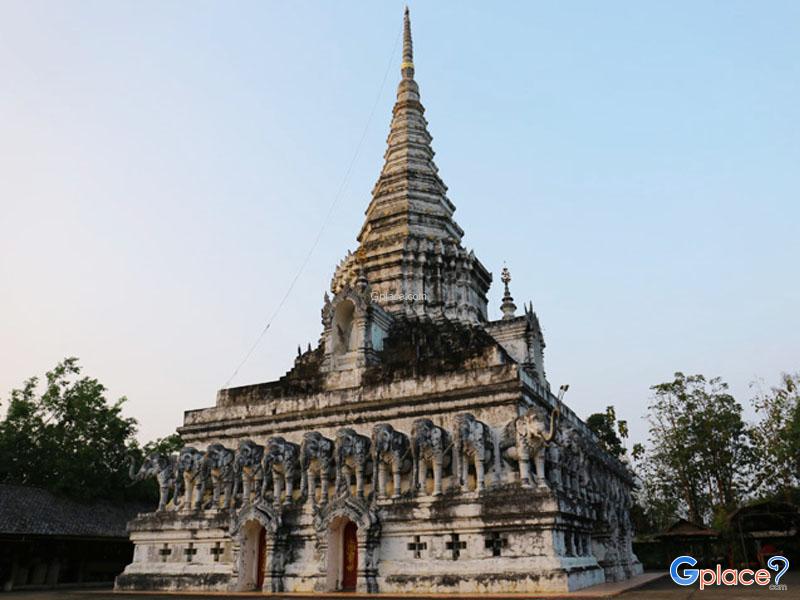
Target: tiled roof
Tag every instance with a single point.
(34, 511)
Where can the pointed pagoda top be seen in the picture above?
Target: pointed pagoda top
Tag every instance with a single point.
(409, 197)
(407, 66)
(409, 222)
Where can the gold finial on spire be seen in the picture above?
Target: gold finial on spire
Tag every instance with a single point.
(407, 66)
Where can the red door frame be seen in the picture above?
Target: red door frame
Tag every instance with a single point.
(349, 556)
(262, 558)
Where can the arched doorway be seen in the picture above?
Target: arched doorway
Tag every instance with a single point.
(253, 556)
(343, 338)
(342, 555)
(349, 557)
(359, 544)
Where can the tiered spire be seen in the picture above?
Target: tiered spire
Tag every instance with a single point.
(410, 248)
(409, 197)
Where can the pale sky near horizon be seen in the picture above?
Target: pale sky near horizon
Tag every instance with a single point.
(166, 166)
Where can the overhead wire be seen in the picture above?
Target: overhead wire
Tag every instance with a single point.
(325, 221)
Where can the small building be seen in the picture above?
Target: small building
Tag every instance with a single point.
(49, 541)
(764, 529)
(686, 537)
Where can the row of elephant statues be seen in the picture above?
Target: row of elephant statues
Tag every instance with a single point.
(255, 471)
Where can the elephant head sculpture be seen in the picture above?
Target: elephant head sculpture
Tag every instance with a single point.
(220, 463)
(390, 448)
(316, 459)
(431, 447)
(282, 458)
(352, 455)
(474, 445)
(163, 468)
(249, 469)
(192, 473)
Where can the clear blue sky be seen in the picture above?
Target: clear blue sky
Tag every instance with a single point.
(165, 166)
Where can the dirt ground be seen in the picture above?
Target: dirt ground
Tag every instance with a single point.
(663, 589)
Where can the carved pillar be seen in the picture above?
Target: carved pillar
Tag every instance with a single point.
(321, 584)
(368, 545)
(362, 585)
(269, 572)
(275, 549)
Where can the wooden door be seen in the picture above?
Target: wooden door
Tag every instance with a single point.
(350, 556)
(262, 558)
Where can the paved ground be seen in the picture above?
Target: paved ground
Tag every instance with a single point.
(662, 589)
(665, 589)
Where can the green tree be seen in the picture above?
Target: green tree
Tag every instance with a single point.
(65, 436)
(612, 433)
(698, 458)
(609, 431)
(776, 438)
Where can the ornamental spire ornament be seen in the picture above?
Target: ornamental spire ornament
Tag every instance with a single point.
(407, 66)
(508, 307)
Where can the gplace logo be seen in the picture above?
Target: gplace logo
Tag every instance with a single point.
(720, 576)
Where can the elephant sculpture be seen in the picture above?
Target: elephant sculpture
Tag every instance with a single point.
(352, 455)
(554, 459)
(316, 459)
(430, 447)
(192, 477)
(390, 449)
(282, 459)
(249, 469)
(161, 466)
(574, 462)
(220, 464)
(474, 444)
(528, 436)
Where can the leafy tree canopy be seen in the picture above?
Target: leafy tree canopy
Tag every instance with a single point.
(609, 431)
(62, 434)
(776, 438)
(699, 460)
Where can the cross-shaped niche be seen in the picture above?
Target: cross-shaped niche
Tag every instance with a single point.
(190, 551)
(217, 551)
(417, 547)
(496, 543)
(164, 552)
(456, 546)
